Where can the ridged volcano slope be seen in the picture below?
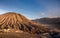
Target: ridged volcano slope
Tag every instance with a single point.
(14, 22)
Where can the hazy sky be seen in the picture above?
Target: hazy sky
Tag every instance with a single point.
(32, 9)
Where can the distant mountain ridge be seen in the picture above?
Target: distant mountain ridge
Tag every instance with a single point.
(55, 22)
(48, 20)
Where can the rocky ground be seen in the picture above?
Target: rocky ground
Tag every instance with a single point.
(18, 35)
(52, 34)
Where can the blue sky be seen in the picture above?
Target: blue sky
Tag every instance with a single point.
(32, 9)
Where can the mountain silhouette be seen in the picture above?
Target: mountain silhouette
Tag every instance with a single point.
(48, 20)
(14, 22)
(55, 22)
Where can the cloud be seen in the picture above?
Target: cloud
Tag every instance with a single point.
(2, 11)
(42, 14)
(51, 10)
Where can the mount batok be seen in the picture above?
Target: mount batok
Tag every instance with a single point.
(14, 22)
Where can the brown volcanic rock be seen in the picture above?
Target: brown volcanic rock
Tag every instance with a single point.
(12, 22)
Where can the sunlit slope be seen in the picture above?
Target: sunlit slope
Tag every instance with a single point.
(13, 22)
